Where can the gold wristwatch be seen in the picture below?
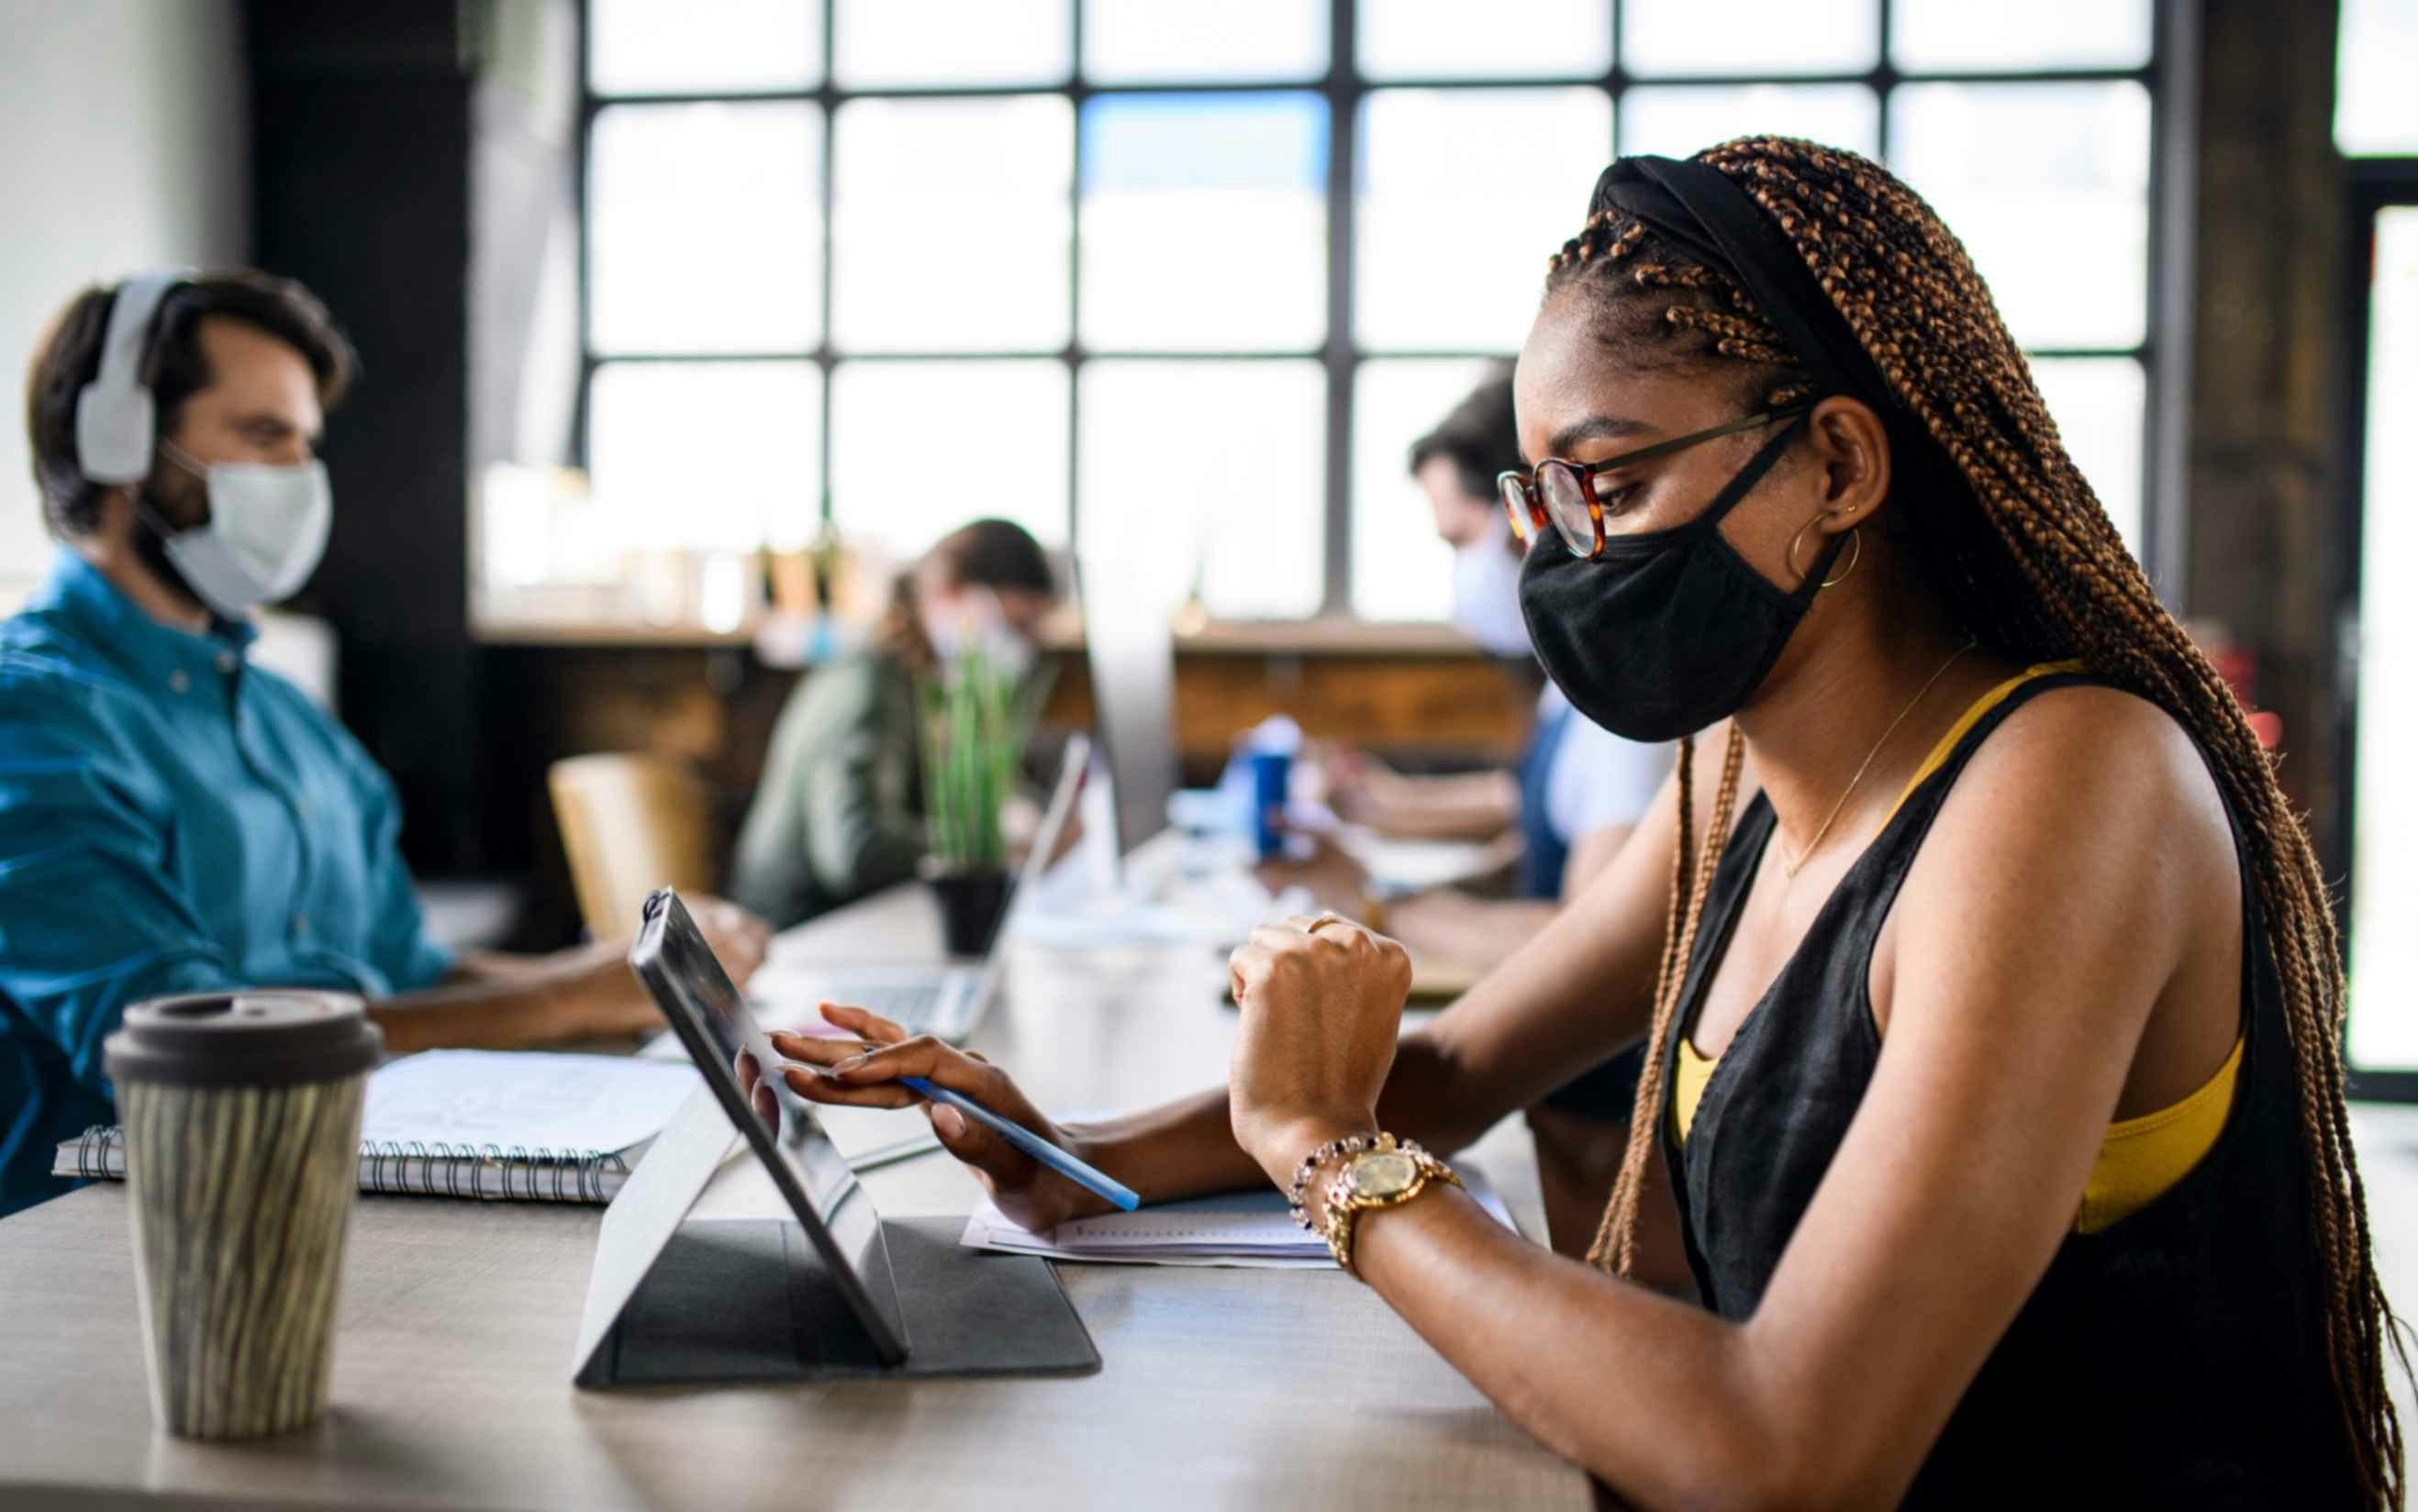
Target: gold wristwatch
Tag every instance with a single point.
(1386, 1177)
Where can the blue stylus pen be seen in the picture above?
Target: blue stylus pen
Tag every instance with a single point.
(1031, 1144)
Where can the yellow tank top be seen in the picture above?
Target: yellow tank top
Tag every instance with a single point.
(2140, 1159)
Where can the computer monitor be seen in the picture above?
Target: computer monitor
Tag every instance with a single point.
(1129, 645)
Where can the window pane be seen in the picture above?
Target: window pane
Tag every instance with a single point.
(1733, 37)
(918, 448)
(1961, 37)
(705, 228)
(1208, 472)
(1151, 41)
(709, 455)
(1401, 568)
(1205, 221)
(949, 223)
(2384, 875)
(2047, 185)
(645, 47)
(2100, 405)
(2376, 58)
(1464, 195)
(930, 45)
(1507, 38)
(1678, 120)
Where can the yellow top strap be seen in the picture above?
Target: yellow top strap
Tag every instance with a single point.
(1971, 717)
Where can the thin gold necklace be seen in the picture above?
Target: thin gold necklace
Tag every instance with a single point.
(1790, 868)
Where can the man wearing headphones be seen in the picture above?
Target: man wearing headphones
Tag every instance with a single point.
(172, 819)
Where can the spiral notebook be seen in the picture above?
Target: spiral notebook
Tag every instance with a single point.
(521, 1126)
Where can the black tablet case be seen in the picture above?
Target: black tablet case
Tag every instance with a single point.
(748, 1300)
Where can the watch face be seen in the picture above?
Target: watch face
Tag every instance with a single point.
(1384, 1173)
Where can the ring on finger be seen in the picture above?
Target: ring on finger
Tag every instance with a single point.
(1324, 918)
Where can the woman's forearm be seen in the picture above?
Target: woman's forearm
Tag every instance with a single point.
(1479, 933)
(1475, 806)
(1187, 1147)
(1650, 1394)
(1177, 1150)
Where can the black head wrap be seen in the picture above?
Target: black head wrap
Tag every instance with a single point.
(1701, 211)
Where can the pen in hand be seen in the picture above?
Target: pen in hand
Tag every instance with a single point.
(1029, 1142)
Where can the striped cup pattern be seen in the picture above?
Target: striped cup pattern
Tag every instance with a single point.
(241, 1197)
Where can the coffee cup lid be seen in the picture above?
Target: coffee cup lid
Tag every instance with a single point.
(243, 1039)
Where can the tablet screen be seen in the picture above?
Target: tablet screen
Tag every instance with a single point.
(713, 1020)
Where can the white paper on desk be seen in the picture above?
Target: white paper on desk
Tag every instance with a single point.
(1419, 865)
(1215, 910)
(569, 1103)
(1236, 1228)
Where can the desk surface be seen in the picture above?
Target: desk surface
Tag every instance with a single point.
(453, 1356)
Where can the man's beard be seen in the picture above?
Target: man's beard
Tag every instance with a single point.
(151, 547)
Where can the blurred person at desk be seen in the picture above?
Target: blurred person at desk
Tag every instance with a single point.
(839, 811)
(1564, 825)
(172, 819)
(1578, 795)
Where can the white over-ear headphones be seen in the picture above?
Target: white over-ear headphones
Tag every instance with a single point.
(115, 416)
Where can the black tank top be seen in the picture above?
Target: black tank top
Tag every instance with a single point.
(2176, 1358)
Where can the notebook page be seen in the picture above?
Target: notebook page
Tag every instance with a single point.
(1231, 1228)
(566, 1103)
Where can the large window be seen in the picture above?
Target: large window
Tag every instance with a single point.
(2376, 128)
(1192, 277)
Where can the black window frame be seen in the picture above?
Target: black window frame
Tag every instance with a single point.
(2374, 185)
(1343, 88)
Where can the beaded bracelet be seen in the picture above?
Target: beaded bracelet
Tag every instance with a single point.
(1344, 1212)
(1349, 1145)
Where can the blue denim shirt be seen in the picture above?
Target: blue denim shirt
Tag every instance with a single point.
(172, 819)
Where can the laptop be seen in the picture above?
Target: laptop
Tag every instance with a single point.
(945, 1001)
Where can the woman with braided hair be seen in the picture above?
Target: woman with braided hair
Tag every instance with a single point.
(1991, 1149)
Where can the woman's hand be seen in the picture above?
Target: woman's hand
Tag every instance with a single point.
(737, 936)
(1349, 778)
(755, 1089)
(1321, 1004)
(864, 1074)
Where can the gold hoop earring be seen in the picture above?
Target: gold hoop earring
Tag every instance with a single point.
(1855, 553)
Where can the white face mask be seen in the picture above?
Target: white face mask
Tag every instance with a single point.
(1485, 591)
(976, 621)
(267, 530)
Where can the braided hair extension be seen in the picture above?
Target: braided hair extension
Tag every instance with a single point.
(1692, 877)
(2022, 549)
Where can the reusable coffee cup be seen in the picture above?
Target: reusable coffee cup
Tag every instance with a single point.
(242, 1114)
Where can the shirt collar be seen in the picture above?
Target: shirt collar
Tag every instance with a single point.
(112, 622)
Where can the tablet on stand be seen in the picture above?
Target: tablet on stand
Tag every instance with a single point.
(834, 1289)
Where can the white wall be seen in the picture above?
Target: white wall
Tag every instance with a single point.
(124, 143)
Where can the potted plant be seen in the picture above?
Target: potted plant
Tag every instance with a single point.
(974, 730)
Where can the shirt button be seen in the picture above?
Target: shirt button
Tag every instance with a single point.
(226, 662)
(301, 926)
(177, 682)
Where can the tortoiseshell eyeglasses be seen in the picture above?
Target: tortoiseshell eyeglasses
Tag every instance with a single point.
(1563, 493)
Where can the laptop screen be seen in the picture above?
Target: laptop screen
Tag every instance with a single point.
(690, 987)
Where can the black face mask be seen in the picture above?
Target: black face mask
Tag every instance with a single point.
(1664, 633)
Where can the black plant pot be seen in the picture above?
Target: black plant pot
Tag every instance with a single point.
(971, 905)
